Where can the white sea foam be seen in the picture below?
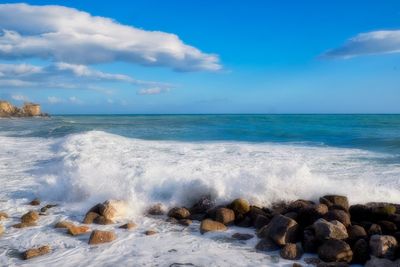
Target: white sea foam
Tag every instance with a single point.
(82, 169)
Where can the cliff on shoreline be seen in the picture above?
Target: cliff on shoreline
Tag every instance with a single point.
(28, 110)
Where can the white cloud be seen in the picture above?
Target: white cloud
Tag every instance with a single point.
(68, 35)
(370, 43)
(75, 100)
(54, 100)
(152, 91)
(20, 97)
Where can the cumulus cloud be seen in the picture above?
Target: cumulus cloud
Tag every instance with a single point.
(370, 43)
(152, 91)
(54, 100)
(20, 97)
(68, 35)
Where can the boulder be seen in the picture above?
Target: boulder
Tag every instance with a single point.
(334, 250)
(267, 245)
(383, 246)
(1, 229)
(128, 226)
(335, 201)
(24, 225)
(202, 205)
(356, 232)
(310, 242)
(113, 209)
(99, 237)
(360, 213)
(35, 252)
(374, 229)
(185, 222)
(240, 206)
(63, 224)
(329, 230)
(157, 209)
(376, 262)
(103, 220)
(281, 229)
(292, 215)
(338, 215)
(48, 206)
(225, 216)
(240, 236)
(311, 213)
(30, 217)
(3, 215)
(243, 220)
(261, 221)
(388, 228)
(298, 205)
(90, 217)
(255, 212)
(291, 251)
(360, 251)
(179, 213)
(208, 225)
(150, 232)
(77, 230)
(35, 202)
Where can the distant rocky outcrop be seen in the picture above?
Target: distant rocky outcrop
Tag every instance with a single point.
(28, 110)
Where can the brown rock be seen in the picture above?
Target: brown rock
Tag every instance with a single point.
(383, 246)
(376, 262)
(179, 213)
(334, 250)
(308, 215)
(35, 252)
(310, 242)
(335, 200)
(150, 232)
(128, 226)
(298, 205)
(208, 225)
(240, 206)
(240, 236)
(157, 209)
(48, 206)
(99, 237)
(90, 217)
(103, 220)
(375, 229)
(202, 205)
(388, 228)
(185, 222)
(329, 230)
(281, 229)
(267, 245)
(30, 217)
(1, 229)
(338, 215)
(63, 224)
(356, 232)
(291, 251)
(360, 251)
(113, 209)
(35, 202)
(97, 208)
(24, 225)
(3, 216)
(261, 221)
(225, 216)
(77, 230)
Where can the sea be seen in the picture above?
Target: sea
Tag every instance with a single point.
(77, 161)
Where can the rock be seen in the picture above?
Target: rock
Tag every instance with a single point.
(383, 246)
(255, 212)
(35, 252)
(334, 250)
(198, 216)
(335, 200)
(329, 230)
(312, 261)
(297, 265)
(30, 217)
(240, 206)
(360, 251)
(292, 215)
(99, 237)
(311, 213)
(374, 229)
(267, 245)
(202, 205)
(3, 216)
(208, 225)
(113, 209)
(150, 232)
(240, 236)
(97, 208)
(298, 205)
(63, 224)
(35, 202)
(338, 215)
(185, 222)
(90, 217)
(103, 220)
(310, 242)
(242, 220)
(382, 211)
(156, 210)
(225, 216)
(24, 225)
(1, 229)
(356, 232)
(333, 264)
(28, 110)
(376, 262)
(281, 229)
(179, 213)
(172, 220)
(261, 221)
(48, 206)
(77, 230)
(388, 228)
(291, 251)
(128, 226)
(360, 213)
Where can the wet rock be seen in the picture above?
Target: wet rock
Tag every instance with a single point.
(96, 208)
(179, 213)
(310, 214)
(292, 215)
(338, 215)
(356, 232)
(383, 246)
(360, 251)
(103, 220)
(298, 205)
(197, 216)
(291, 251)
(150, 232)
(376, 262)
(77, 230)
(185, 222)
(281, 229)
(333, 264)
(99, 237)
(128, 226)
(312, 261)
(310, 242)
(225, 216)
(329, 230)
(381, 211)
(374, 229)
(35, 202)
(335, 201)
(255, 212)
(63, 224)
(90, 217)
(240, 236)
(1, 229)
(388, 228)
(242, 220)
(240, 206)
(208, 225)
(334, 250)
(212, 213)
(360, 213)
(3, 215)
(267, 245)
(297, 265)
(202, 205)
(113, 209)
(47, 207)
(172, 220)
(24, 225)
(35, 252)
(261, 221)
(156, 210)
(30, 217)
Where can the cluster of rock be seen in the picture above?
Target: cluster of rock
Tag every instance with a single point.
(28, 110)
(338, 233)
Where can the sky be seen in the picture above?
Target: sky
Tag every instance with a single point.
(201, 56)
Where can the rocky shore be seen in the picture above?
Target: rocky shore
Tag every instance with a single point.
(336, 233)
(28, 110)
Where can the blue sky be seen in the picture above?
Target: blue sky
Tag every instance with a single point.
(238, 56)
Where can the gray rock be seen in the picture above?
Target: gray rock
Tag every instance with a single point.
(329, 230)
(383, 246)
(281, 229)
(291, 251)
(334, 250)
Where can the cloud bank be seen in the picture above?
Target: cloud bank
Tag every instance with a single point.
(370, 43)
(63, 34)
